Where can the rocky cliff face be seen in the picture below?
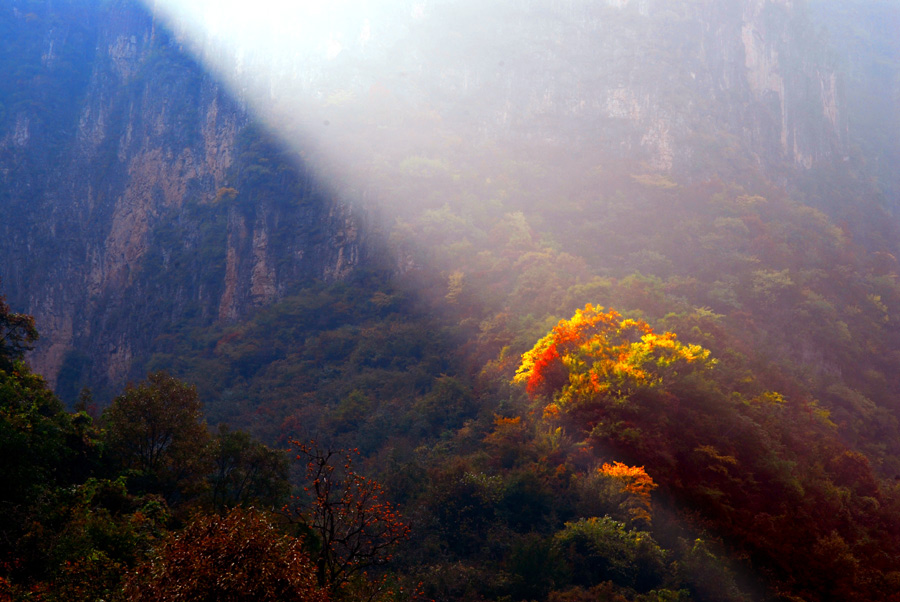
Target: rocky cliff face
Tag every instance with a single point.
(134, 193)
(673, 85)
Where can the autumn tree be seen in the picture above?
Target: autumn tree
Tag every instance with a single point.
(765, 471)
(241, 556)
(355, 527)
(155, 429)
(636, 483)
(597, 362)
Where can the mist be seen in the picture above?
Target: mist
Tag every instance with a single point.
(363, 86)
(363, 82)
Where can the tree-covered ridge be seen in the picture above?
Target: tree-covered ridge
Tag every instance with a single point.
(143, 502)
(793, 508)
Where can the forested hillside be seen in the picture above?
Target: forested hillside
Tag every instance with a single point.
(611, 316)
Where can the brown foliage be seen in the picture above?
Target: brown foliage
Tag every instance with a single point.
(234, 558)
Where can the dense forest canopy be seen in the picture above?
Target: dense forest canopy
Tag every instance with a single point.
(531, 301)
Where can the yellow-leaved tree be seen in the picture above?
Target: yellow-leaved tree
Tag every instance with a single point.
(597, 357)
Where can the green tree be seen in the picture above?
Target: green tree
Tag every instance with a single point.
(33, 446)
(17, 334)
(601, 549)
(79, 540)
(246, 472)
(155, 430)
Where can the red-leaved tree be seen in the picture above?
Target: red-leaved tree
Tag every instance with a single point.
(356, 528)
(240, 556)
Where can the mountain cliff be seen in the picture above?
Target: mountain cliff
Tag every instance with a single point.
(672, 84)
(136, 191)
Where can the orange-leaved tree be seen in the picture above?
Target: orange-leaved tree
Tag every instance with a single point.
(755, 470)
(606, 378)
(634, 481)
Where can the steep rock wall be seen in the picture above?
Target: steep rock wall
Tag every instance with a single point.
(115, 225)
(670, 83)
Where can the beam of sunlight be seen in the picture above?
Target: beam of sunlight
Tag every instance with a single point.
(296, 64)
(351, 83)
(370, 90)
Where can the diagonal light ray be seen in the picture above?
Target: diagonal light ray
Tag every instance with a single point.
(291, 61)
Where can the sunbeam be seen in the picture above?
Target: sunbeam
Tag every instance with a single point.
(292, 62)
